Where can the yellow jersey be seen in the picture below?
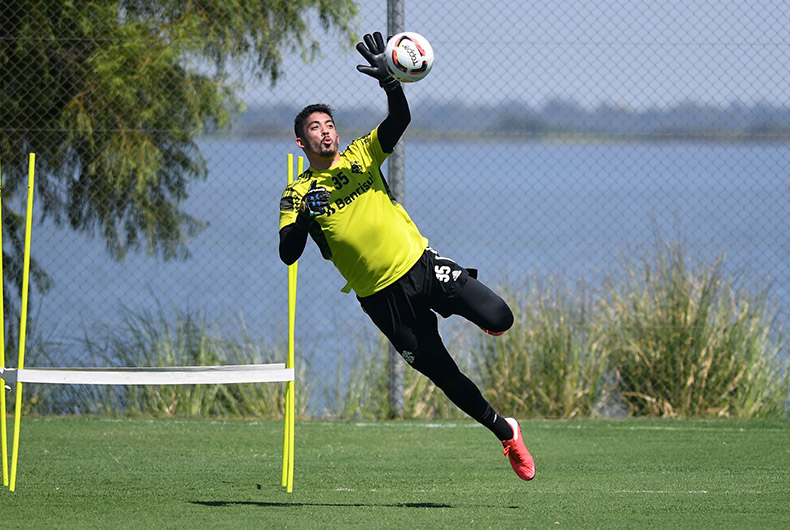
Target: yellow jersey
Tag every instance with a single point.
(368, 236)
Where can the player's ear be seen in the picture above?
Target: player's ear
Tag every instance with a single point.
(299, 143)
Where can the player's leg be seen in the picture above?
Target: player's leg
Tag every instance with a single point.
(415, 335)
(454, 291)
(482, 306)
(434, 361)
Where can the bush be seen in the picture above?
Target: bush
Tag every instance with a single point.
(683, 341)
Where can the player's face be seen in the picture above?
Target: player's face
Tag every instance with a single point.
(320, 137)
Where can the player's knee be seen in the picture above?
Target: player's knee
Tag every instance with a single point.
(501, 318)
(506, 321)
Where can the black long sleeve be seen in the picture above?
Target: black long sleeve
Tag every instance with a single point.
(398, 118)
(293, 238)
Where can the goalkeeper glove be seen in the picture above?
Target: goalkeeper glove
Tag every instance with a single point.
(373, 50)
(316, 200)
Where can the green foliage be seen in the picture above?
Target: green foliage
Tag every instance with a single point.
(549, 364)
(685, 342)
(254, 33)
(111, 94)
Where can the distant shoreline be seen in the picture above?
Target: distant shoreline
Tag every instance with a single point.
(573, 138)
(557, 121)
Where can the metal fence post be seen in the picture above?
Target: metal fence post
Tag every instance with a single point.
(397, 181)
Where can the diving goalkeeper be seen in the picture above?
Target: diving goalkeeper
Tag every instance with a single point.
(342, 201)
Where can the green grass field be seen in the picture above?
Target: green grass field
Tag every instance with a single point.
(103, 473)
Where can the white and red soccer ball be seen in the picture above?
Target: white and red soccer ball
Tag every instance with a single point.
(409, 56)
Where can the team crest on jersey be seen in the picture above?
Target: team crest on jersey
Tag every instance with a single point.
(356, 167)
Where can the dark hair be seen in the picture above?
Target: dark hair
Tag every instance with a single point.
(301, 118)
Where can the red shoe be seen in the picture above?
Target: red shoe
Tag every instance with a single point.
(515, 449)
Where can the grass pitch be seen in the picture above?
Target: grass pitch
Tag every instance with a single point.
(102, 473)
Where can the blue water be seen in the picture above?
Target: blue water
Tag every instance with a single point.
(510, 209)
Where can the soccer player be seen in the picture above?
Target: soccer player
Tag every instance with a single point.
(343, 202)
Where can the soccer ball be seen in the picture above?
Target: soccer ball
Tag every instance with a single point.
(409, 56)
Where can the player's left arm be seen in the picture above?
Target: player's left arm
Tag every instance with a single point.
(399, 116)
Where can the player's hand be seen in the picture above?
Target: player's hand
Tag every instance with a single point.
(315, 201)
(373, 51)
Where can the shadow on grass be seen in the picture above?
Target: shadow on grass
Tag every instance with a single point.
(264, 504)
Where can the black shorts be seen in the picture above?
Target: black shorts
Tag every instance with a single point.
(404, 311)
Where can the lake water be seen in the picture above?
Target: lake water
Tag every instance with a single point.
(510, 209)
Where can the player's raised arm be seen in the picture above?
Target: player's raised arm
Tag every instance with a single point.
(398, 118)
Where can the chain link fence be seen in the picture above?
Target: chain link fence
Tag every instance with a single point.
(560, 139)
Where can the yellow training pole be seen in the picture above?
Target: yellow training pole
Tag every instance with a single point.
(289, 167)
(3, 405)
(289, 395)
(290, 401)
(23, 318)
(291, 358)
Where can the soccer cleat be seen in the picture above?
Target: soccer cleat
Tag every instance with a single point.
(516, 451)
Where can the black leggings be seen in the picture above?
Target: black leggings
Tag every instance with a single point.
(404, 312)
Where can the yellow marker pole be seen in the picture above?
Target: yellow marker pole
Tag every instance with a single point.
(3, 405)
(289, 167)
(23, 318)
(290, 401)
(289, 395)
(291, 357)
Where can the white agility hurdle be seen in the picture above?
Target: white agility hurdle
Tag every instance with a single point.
(169, 375)
(179, 375)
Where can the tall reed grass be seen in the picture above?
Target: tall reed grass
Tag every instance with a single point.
(359, 389)
(659, 337)
(551, 362)
(684, 341)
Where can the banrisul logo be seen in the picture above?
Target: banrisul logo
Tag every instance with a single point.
(351, 197)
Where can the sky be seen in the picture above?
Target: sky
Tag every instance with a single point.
(625, 53)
